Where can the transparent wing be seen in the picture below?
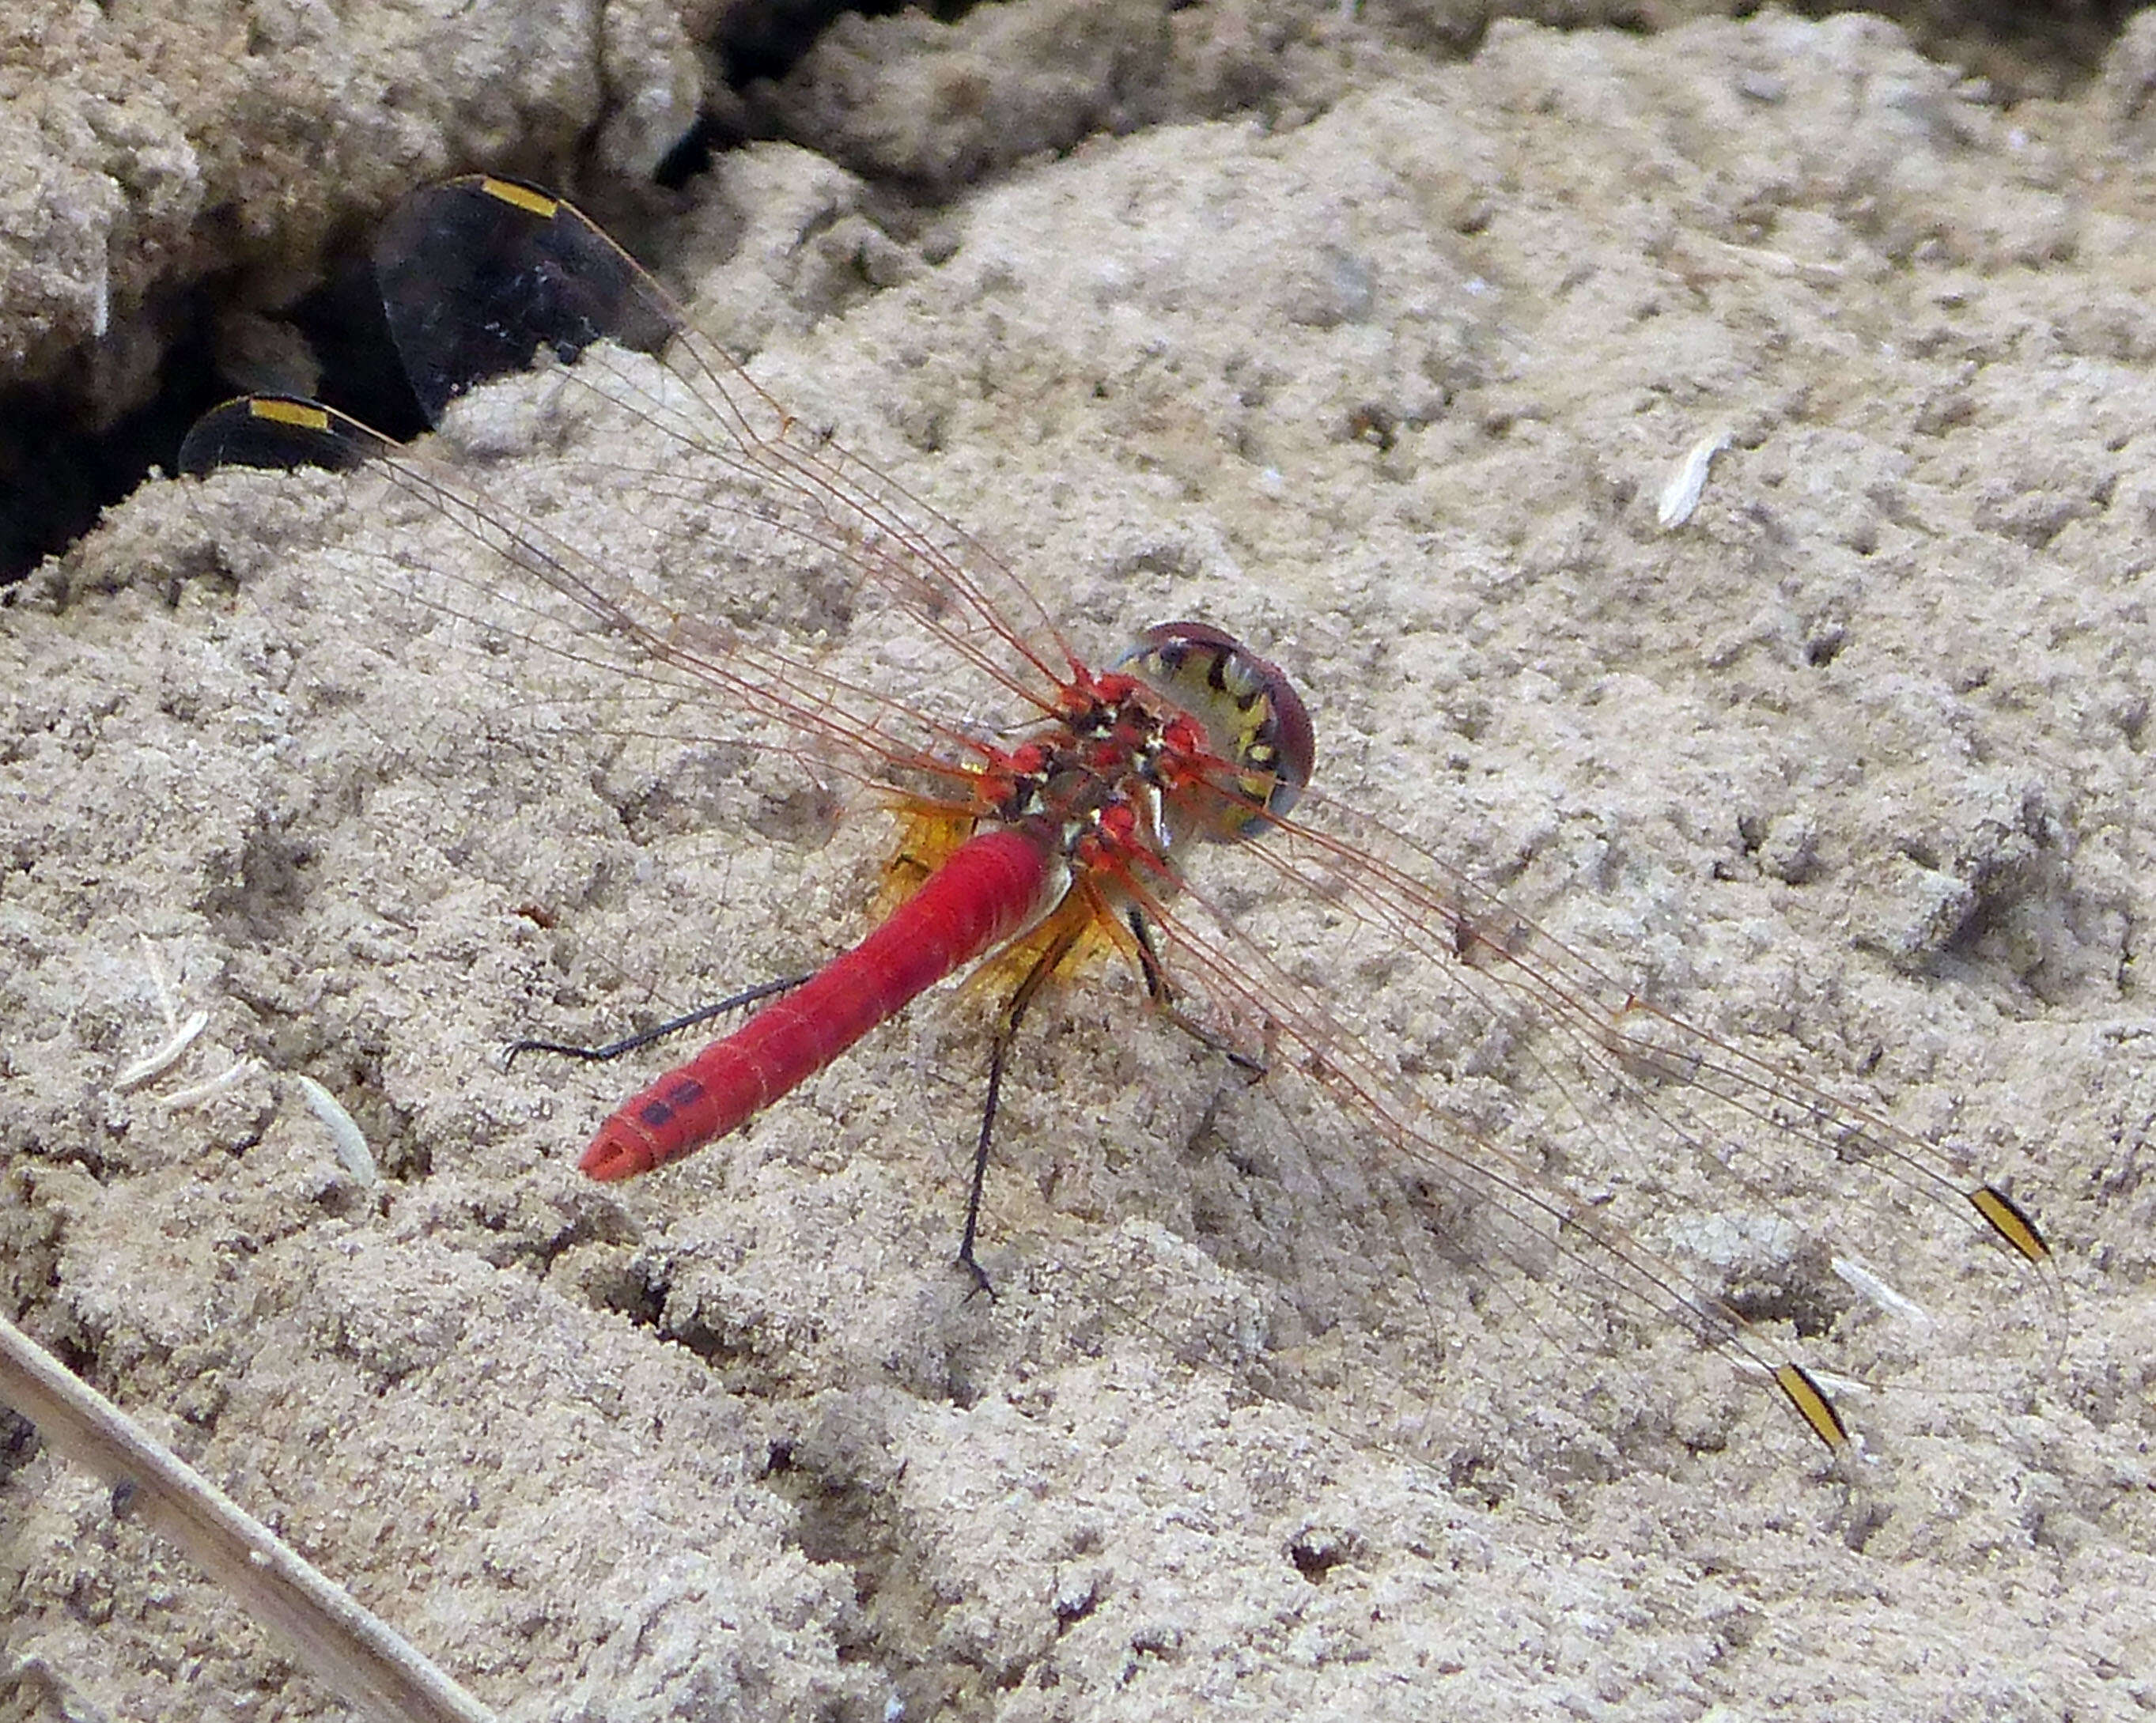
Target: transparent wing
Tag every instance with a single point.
(760, 543)
(479, 276)
(1650, 1144)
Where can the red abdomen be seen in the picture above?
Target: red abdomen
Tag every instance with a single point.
(993, 886)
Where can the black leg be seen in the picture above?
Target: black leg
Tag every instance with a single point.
(1164, 999)
(1014, 1014)
(658, 1032)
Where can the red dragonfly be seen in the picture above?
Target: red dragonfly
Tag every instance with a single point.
(1067, 831)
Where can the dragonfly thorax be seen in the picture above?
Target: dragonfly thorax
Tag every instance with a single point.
(1092, 783)
(1192, 736)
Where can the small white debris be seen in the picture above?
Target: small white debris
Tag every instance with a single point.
(1680, 495)
(1805, 269)
(351, 1149)
(160, 1059)
(1868, 1285)
(231, 1077)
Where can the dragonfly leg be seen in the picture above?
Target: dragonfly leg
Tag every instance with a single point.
(1253, 1066)
(657, 1032)
(1014, 1014)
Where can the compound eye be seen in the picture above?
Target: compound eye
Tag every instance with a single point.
(1252, 715)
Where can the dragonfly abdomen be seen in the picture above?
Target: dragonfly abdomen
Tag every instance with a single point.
(991, 888)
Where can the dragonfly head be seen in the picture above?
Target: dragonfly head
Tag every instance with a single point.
(1251, 715)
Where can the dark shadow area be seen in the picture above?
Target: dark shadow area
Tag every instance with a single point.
(57, 474)
(765, 41)
(2027, 48)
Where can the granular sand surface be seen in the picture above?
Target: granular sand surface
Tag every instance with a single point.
(1847, 762)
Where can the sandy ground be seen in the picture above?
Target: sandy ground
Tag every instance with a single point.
(1848, 761)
